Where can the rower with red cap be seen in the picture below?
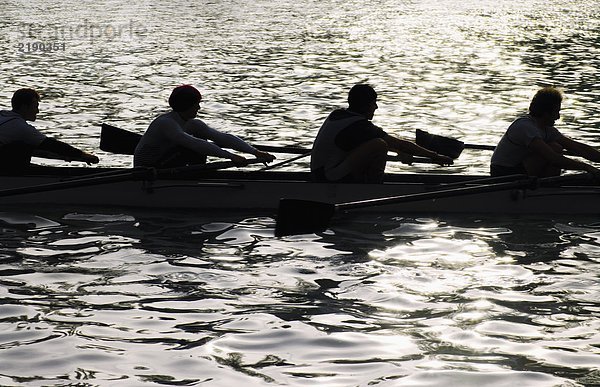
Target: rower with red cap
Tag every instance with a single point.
(177, 138)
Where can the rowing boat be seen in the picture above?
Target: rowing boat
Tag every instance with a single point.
(262, 190)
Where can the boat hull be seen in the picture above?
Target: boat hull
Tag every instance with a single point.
(225, 190)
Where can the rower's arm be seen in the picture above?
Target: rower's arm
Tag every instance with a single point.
(174, 133)
(199, 145)
(398, 145)
(579, 148)
(230, 141)
(198, 128)
(66, 151)
(540, 147)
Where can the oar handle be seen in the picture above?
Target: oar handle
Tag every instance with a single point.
(479, 146)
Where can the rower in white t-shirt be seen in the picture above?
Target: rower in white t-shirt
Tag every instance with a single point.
(176, 138)
(534, 147)
(19, 140)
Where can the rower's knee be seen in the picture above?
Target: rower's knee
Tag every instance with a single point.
(537, 166)
(378, 144)
(373, 157)
(556, 147)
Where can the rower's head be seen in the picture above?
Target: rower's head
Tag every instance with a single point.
(545, 105)
(26, 103)
(185, 100)
(362, 99)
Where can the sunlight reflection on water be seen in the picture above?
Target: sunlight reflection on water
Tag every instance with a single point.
(237, 305)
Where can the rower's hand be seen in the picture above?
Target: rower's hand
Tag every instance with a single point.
(89, 158)
(264, 156)
(405, 158)
(239, 161)
(442, 160)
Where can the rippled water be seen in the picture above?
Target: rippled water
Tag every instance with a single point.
(111, 298)
(100, 298)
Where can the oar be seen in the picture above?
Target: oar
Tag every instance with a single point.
(448, 146)
(121, 141)
(139, 173)
(117, 140)
(297, 216)
(134, 174)
(443, 145)
(484, 180)
(285, 162)
(195, 169)
(290, 149)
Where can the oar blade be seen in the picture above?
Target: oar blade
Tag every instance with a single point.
(296, 216)
(117, 140)
(443, 145)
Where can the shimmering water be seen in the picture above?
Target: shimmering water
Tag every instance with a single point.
(111, 298)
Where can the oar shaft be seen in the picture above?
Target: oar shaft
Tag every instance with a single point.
(481, 147)
(485, 180)
(297, 216)
(285, 162)
(283, 149)
(492, 147)
(526, 182)
(121, 175)
(437, 194)
(303, 152)
(190, 169)
(76, 183)
(415, 159)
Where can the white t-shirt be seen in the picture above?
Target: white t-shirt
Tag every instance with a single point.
(13, 128)
(168, 131)
(513, 147)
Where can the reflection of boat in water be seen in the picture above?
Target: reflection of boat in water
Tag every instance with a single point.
(262, 190)
(25, 221)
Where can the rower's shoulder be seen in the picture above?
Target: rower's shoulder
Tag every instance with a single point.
(166, 121)
(6, 115)
(524, 121)
(342, 114)
(196, 123)
(10, 120)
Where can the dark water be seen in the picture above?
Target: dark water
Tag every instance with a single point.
(117, 297)
(183, 300)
